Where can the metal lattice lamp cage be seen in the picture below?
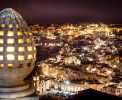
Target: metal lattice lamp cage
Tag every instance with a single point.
(17, 49)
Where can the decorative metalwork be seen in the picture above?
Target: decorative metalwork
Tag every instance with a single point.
(16, 41)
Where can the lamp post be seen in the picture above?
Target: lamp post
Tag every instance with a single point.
(17, 55)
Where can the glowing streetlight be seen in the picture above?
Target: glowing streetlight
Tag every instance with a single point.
(17, 52)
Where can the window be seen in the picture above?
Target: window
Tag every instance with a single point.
(1, 65)
(1, 41)
(10, 57)
(10, 41)
(30, 56)
(10, 33)
(20, 41)
(10, 25)
(2, 25)
(10, 65)
(29, 48)
(1, 49)
(1, 33)
(20, 49)
(1, 57)
(19, 33)
(10, 49)
(20, 57)
(30, 33)
(28, 41)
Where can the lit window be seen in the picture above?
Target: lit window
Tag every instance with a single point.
(1, 65)
(1, 33)
(20, 49)
(29, 48)
(30, 56)
(1, 41)
(10, 49)
(10, 33)
(3, 25)
(1, 49)
(1, 57)
(19, 33)
(20, 57)
(28, 40)
(20, 41)
(10, 41)
(10, 57)
(10, 25)
(10, 65)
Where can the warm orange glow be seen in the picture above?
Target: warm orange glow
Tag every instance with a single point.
(10, 33)
(10, 49)
(2, 25)
(28, 40)
(1, 33)
(20, 41)
(1, 49)
(10, 41)
(30, 33)
(30, 56)
(1, 65)
(29, 48)
(19, 33)
(10, 25)
(1, 57)
(20, 49)
(1, 41)
(10, 65)
(10, 57)
(20, 57)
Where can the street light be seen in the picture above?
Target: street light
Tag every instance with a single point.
(17, 55)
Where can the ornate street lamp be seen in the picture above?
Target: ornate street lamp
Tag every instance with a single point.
(17, 55)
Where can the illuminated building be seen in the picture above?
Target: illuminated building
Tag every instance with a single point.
(17, 55)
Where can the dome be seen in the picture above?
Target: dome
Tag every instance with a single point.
(17, 49)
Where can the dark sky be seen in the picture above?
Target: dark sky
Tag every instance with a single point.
(66, 11)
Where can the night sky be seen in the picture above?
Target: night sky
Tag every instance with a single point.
(66, 11)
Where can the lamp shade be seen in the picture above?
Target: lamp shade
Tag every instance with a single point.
(17, 49)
